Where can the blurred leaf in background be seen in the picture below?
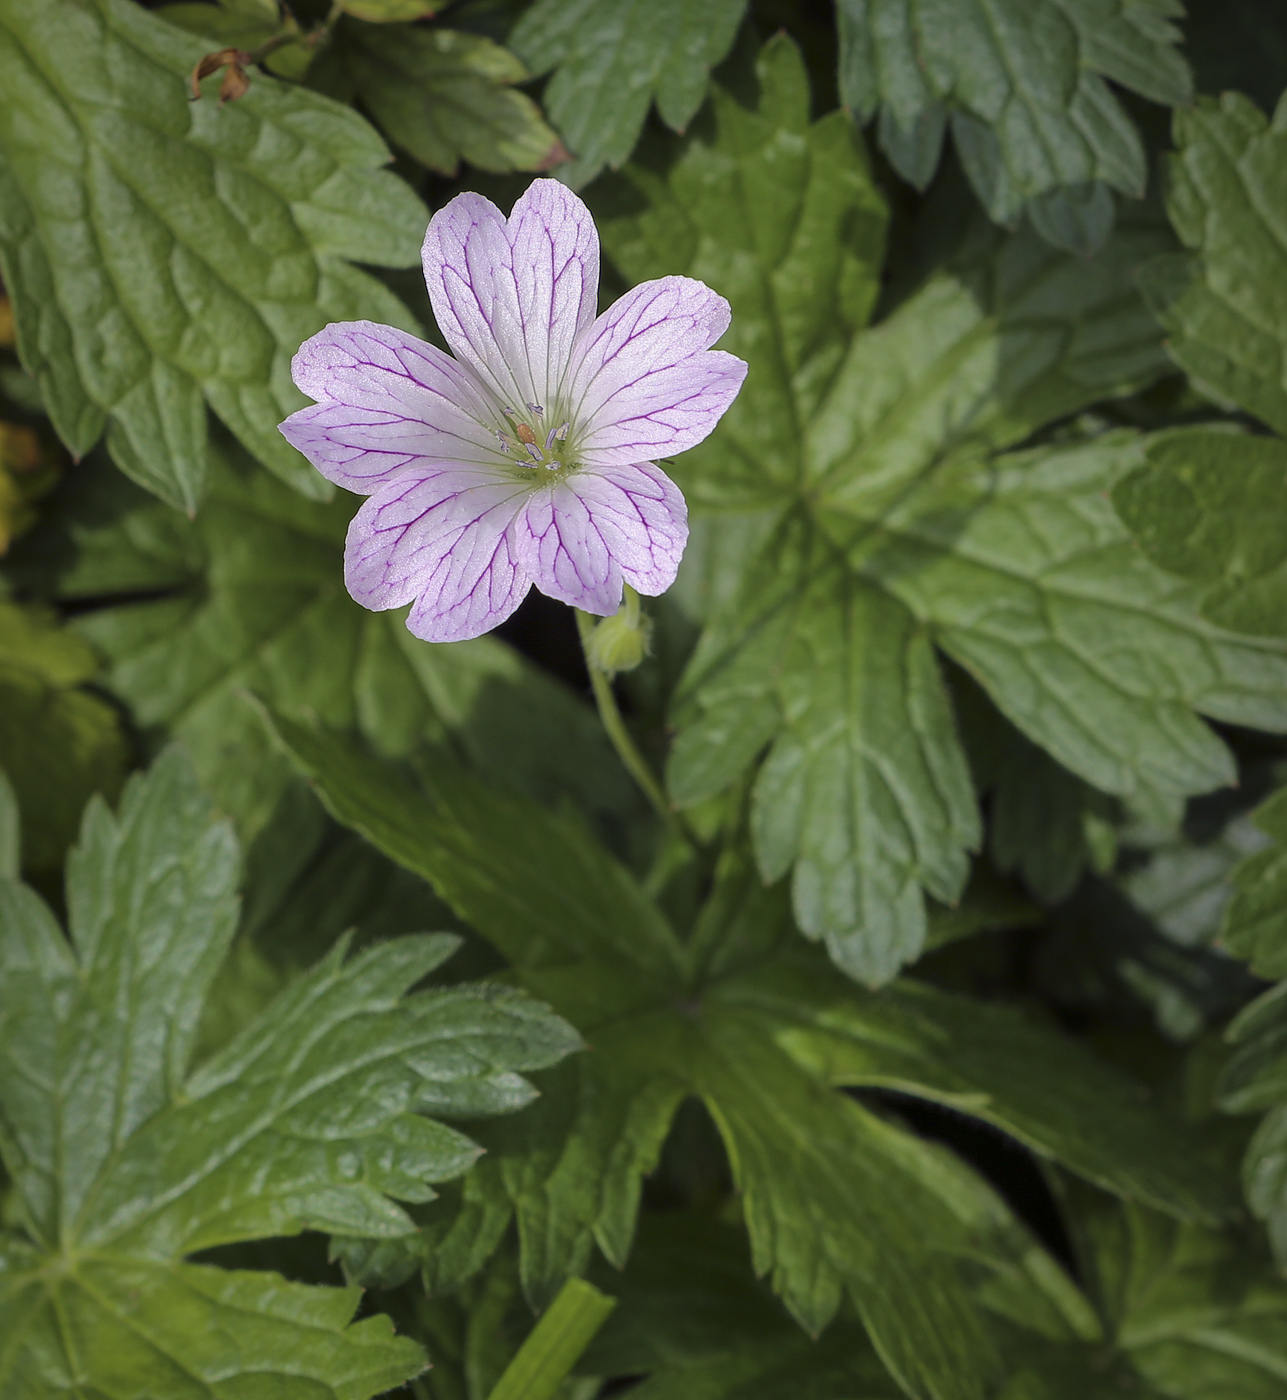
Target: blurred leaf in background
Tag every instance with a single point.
(59, 741)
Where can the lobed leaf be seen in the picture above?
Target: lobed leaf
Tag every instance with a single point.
(440, 94)
(1223, 301)
(123, 1158)
(164, 255)
(613, 58)
(250, 597)
(885, 524)
(839, 1203)
(1022, 86)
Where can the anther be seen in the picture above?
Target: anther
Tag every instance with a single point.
(535, 453)
(549, 438)
(561, 432)
(537, 409)
(500, 437)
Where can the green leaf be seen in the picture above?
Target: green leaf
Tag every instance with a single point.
(245, 24)
(1212, 506)
(897, 527)
(250, 597)
(387, 11)
(1195, 1314)
(1255, 922)
(164, 255)
(838, 1202)
(10, 829)
(864, 790)
(692, 1319)
(1046, 825)
(1223, 303)
(125, 1158)
(613, 58)
(1185, 887)
(1023, 86)
(59, 742)
(442, 95)
(988, 1061)
(1023, 572)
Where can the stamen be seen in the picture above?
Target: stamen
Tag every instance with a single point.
(509, 413)
(500, 437)
(535, 453)
(549, 438)
(561, 432)
(537, 409)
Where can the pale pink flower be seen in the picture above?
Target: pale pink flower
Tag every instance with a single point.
(529, 458)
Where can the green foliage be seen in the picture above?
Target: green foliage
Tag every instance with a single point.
(1210, 504)
(896, 527)
(838, 1201)
(1255, 923)
(59, 742)
(249, 598)
(124, 1157)
(1222, 301)
(164, 255)
(441, 95)
(1173, 1311)
(613, 58)
(1023, 86)
(990, 535)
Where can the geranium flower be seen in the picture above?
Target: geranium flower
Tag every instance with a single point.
(529, 458)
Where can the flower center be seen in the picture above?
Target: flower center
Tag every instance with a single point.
(535, 449)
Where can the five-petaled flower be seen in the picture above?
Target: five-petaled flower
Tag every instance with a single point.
(531, 456)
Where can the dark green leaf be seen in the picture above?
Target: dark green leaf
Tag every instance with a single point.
(897, 528)
(838, 1202)
(988, 1061)
(614, 57)
(1255, 922)
(1225, 302)
(1212, 506)
(1022, 84)
(442, 95)
(59, 742)
(164, 255)
(1196, 1314)
(250, 597)
(124, 1158)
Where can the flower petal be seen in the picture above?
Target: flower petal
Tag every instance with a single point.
(385, 399)
(641, 516)
(578, 540)
(644, 382)
(511, 297)
(557, 543)
(444, 540)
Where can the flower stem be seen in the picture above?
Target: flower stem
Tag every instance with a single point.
(616, 729)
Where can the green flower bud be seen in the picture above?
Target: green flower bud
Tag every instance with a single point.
(620, 643)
